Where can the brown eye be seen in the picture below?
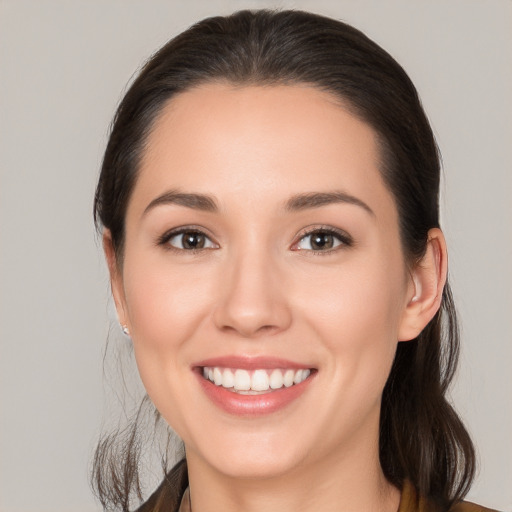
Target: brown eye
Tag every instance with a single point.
(193, 240)
(190, 240)
(322, 240)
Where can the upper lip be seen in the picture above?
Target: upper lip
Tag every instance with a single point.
(250, 362)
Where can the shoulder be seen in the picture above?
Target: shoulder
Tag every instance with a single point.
(466, 506)
(411, 501)
(167, 497)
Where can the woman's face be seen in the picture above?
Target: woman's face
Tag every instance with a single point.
(262, 248)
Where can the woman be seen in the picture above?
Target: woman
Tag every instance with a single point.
(269, 206)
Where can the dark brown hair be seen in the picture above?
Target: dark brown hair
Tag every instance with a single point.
(421, 437)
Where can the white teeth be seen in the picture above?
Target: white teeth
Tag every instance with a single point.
(257, 381)
(228, 379)
(276, 379)
(288, 378)
(217, 376)
(242, 380)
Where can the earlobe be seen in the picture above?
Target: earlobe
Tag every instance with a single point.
(425, 293)
(116, 281)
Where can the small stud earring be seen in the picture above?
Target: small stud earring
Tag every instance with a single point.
(125, 329)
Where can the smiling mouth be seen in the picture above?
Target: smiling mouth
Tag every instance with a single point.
(254, 382)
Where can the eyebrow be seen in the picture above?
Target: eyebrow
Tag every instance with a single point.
(318, 199)
(297, 202)
(196, 201)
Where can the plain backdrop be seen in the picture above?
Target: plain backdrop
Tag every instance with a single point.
(63, 67)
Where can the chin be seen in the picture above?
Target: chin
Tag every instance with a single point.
(248, 467)
(256, 456)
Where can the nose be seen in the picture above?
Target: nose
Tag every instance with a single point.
(252, 299)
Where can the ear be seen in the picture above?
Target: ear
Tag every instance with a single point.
(426, 286)
(116, 278)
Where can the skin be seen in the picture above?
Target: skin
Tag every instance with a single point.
(257, 289)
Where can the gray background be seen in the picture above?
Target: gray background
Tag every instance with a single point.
(63, 65)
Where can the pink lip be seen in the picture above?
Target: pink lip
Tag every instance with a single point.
(250, 363)
(251, 405)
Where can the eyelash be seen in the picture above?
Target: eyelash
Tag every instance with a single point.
(164, 239)
(344, 239)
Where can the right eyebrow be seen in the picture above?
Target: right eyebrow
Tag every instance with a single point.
(195, 201)
(318, 199)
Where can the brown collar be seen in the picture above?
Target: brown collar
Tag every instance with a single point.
(409, 501)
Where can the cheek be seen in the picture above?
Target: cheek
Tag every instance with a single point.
(361, 297)
(164, 302)
(356, 311)
(165, 307)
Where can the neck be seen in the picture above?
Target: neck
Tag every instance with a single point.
(350, 479)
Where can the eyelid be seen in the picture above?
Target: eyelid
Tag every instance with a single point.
(169, 234)
(345, 239)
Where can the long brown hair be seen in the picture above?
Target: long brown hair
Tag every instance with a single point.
(421, 437)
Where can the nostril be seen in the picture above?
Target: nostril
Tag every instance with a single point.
(248, 331)
(250, 304)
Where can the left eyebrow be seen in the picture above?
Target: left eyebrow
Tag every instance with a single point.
(318, 199)
(195, 201)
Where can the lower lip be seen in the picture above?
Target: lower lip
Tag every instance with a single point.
(253, 405)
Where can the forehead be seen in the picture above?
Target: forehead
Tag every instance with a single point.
(260, 142)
